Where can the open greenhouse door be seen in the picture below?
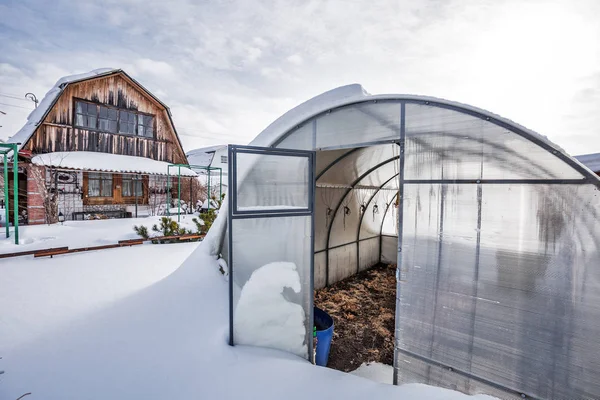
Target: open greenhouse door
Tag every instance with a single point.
(270, 248)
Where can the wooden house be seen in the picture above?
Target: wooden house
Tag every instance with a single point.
(98, 145)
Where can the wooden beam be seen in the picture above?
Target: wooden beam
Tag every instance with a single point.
(51, 252)
(30, 252)
(57, 125)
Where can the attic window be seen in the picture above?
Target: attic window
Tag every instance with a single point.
(86, 115)
(145, 125)
(107, 121)
(112, 119)
(127, 122)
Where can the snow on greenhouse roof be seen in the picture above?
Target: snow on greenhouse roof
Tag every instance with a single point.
(355, 93)
(38, 115)
(92, 161)
(592, 161)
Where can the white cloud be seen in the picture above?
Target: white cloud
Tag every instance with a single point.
(228, 69)
(295, 59)
(154, 67)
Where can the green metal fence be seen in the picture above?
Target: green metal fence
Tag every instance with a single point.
(5, 150)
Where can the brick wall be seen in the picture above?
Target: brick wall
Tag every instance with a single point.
(36, 214)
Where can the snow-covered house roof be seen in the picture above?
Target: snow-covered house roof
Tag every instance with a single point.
(36, 117)
(203, 156)
(592, 161)
(94, 161)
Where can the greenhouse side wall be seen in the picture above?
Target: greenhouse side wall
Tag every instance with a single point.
(507, 300)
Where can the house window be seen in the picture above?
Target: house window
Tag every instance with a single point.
(112, 120)
(127, 122)
(223, 159)
(107, 119)
(86, 115)
(132, 186)
(99, 185)
(145, 125)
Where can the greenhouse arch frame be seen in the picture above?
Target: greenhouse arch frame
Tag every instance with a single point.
(494, 230)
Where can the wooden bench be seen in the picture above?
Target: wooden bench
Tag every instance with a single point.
(178, 237)
(80, 215)
(91, 248)
(131, 242)
(51, 252)
(191, 237)
(29, 252)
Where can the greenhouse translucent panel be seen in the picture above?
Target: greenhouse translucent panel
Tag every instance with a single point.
(373, 216)
(443, 143)
(540, 279)
(368, 253)
(389, 249)
(359, 123)
(359, 162)
(325, 158)
(271, 262)
(299, 139)
(390, 223)
(320, 270)
(342, 263)
(506, 297)
(345, 223)
(272, 181)
(439, 254)
(326, 199)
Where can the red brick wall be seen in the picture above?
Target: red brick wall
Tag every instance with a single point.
(36, 213)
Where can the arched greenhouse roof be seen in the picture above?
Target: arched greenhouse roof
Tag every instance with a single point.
(355, 94)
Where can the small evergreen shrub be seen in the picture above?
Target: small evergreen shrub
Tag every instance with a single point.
(142, 231)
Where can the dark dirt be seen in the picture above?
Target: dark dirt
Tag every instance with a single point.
(363, 310)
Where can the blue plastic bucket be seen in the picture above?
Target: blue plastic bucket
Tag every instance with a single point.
(324, 327)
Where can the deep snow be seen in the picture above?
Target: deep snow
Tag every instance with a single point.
(264, 317)
(377, 372)
(165, 341)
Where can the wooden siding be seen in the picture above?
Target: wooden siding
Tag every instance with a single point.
(57, 132)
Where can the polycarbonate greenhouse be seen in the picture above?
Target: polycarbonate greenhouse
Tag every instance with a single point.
(495, 232)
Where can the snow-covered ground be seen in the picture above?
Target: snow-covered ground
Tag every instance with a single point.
(80, 233)
(377, 372)
(109, 324)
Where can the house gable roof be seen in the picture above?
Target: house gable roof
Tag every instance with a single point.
(37, 116)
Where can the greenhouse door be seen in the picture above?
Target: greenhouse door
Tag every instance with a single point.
(270, 248)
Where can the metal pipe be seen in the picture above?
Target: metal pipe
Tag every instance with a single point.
(230, 178)
(16, 193)
(208, 189)
(178, 193)
(6, 198)
(400, 225)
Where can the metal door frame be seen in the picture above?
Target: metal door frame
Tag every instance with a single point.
(233, 213)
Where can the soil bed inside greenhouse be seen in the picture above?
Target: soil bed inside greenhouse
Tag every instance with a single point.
(363, 310)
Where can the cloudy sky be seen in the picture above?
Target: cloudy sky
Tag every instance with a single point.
(229, 68)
